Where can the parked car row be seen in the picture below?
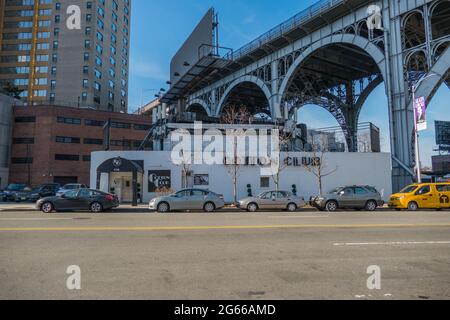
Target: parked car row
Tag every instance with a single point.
(355, 197)
(50, 198)
(414, 197)
(24, 193)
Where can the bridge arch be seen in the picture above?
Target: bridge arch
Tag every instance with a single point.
(439, 19)
(351, 39)
(242, 80)
(198, 106)
(319, 71)
(441, 72)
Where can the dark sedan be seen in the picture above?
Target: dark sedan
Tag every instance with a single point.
(79, 200)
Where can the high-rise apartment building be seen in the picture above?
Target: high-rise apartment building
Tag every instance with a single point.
(66, 52)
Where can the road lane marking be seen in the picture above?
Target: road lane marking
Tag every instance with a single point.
(193, 228)
(34, 219)
(298, 217)
(393, 243)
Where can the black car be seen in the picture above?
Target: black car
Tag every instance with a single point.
(79, 200)
(9, 194)
(43, 191)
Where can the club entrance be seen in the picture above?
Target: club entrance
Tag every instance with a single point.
(122, 177)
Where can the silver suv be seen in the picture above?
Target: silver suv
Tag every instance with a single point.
(354, 197)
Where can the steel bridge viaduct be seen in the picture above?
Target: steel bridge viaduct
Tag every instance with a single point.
(329, 55)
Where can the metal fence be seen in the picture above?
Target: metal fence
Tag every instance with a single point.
(277, 32)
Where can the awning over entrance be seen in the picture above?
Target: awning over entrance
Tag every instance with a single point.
(119, 164)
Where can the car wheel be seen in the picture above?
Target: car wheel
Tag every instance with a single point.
(96, 207)
(209, 207)
(163, 207)
(47, 207)
(252, 207)
(292, 207)
(371, 206)
(413, 206)
(331, 206)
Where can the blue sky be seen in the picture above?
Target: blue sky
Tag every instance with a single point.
(159, 27)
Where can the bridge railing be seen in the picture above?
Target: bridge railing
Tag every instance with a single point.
(277, 32)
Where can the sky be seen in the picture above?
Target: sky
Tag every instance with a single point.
(159, 28)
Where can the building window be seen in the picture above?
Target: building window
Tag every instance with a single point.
(67, 157)
(265, 182)
(25, 119)
(87, 158)
(23, 141)
(69, 120)
(93, 141)
(68, 140)
(201, 180)
(94, 123)
(121, 125)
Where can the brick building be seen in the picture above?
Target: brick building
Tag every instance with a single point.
(54, 144)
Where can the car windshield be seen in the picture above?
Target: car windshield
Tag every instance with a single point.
(71, 186)
(335, 191)
(15, 187)
(262, 195)
(409, 189)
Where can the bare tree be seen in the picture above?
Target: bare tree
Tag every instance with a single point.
(364, 142)
(319, 167)
(186, 171)
(284, 139)
(235, 115)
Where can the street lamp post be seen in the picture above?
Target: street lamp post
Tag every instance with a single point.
(416, 131)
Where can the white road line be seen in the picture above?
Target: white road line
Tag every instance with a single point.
(397, 243)
(33, 219)
(297, 217)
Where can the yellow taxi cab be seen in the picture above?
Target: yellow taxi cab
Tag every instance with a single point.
(422, 196)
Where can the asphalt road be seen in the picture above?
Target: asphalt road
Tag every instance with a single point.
(226, 255)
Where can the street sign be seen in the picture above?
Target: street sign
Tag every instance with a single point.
(420, 109)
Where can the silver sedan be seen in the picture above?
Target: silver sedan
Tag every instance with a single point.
(272, 200)
(189, 199)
